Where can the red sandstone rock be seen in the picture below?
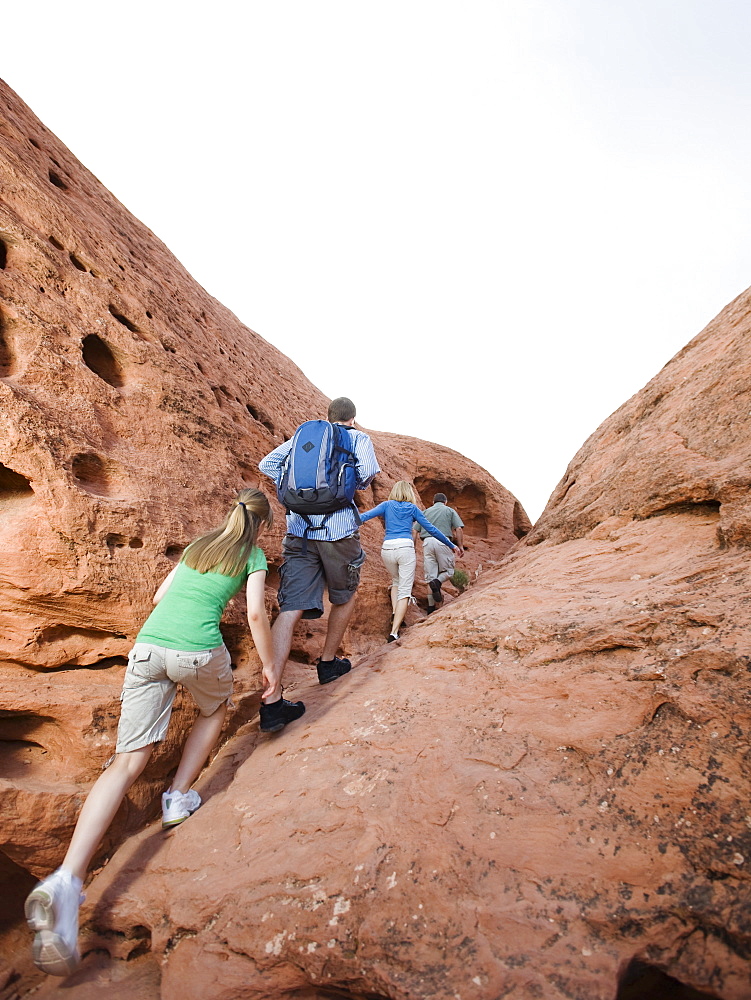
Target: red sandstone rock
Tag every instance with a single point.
(132, 407)
(540, 792)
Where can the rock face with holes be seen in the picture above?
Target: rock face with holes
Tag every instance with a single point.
(132, 407)
(541, 792)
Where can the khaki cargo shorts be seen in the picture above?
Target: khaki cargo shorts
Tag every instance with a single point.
(307, 569)
(150, 685)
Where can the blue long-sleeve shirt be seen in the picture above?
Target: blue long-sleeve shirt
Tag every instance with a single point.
(399, 516)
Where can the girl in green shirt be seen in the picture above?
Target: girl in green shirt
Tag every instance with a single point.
(180, 642)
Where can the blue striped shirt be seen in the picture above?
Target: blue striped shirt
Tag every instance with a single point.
(342, 522)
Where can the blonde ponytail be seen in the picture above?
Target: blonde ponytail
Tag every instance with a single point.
(227, 549)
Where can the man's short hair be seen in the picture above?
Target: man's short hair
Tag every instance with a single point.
(341, 410)
(439, 498)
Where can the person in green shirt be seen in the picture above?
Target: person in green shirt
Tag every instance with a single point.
(180, 643)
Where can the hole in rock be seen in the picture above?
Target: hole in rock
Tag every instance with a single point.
(149, 314)
(21, 750)
(15, 489)
(77, 263)
(3, 255)
(115, 541)
(641, 981)
(135, 543)
(57, 181)
(7, 359)
(56, 243)
(123, 319)
(260, 417)
(174, 552)
(220, 395)
(15, 884)
(469, 502)
(19, 725)
(105, 663)
(248, 474)
(94, 474)
(35, 144)
(699, 508)
(99, 358)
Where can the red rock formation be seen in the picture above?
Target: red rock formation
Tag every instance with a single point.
(132, 407)
(541, 792)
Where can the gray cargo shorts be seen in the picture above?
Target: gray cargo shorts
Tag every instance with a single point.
(150, 686)
(303, 575)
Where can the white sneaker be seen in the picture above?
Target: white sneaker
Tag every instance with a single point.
(177, 806)
(52, 912)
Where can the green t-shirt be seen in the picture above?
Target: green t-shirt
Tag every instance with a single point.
(188, 615)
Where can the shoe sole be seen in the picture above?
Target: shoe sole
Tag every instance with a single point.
(335, 677)
(273, 729)
(168, 824)
(437, 594)
(52, 955)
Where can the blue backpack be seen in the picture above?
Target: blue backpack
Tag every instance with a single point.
(319, 475)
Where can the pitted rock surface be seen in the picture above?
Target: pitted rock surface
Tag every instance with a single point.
(540, 792)
(132, 406)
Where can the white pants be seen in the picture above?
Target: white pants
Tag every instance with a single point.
(399, 558)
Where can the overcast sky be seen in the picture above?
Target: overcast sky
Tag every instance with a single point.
(489, 222)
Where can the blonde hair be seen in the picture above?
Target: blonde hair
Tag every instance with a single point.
(226, 549)
(403, 491)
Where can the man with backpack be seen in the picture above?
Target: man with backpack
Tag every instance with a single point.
(316, 474)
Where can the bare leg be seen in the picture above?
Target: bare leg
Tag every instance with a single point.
(199, 744)
(100, 807)
(339, 617)
(281, 640)
(394, 597)
(399, 612)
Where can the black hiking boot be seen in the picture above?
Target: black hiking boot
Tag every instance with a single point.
(329, 670)
(435, 586)
(276, 715)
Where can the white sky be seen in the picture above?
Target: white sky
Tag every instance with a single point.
(489, 222)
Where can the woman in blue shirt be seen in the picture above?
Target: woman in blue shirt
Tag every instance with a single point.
(399, 513)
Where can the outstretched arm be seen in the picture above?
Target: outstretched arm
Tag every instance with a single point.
(258, 621)
(375, 512)
(431, 528)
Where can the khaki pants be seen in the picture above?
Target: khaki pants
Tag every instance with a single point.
(400, 560)
(438, 560)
